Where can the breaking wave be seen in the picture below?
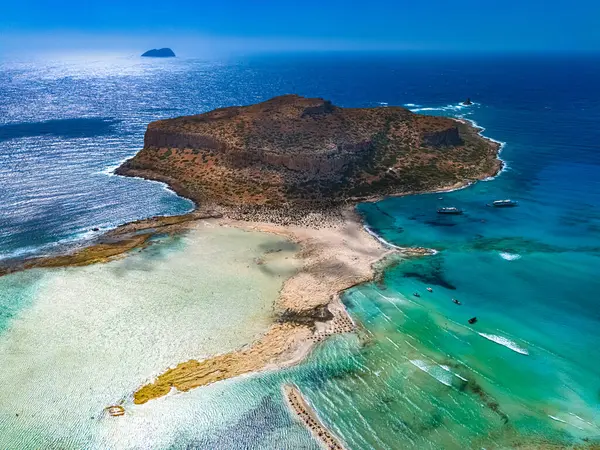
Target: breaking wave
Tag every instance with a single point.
(380, 239)
(509, 256)
(505, 342)
(437, 372)
(456, 108)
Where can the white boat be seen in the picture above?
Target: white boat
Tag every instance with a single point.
(450, 210)
(504, 203)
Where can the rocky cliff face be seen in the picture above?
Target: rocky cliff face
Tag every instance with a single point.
(331, 162)
(292, 150)
(449, 137)
(157, 138)
(324, 163)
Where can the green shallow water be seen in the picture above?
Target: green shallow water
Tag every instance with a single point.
(416, 377)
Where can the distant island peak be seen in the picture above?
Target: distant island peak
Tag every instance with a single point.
(159, 53)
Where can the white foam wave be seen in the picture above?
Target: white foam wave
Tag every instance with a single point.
(556, 418)
(22, 252)
(110, 171)
(80, 237)
(505, 342)
(452, 107)
(509, 256)
(425, 109)
(582, 419)
(380, 239)
(77, 238)
(435, 371)
(447, 369)
(389, 244)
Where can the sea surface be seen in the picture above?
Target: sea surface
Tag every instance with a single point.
(416, 375)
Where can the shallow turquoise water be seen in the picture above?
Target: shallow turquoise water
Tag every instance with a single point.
(85, 338)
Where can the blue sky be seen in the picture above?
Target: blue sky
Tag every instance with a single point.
(197, 26)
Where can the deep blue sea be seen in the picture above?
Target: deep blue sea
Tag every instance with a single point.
(528, 373)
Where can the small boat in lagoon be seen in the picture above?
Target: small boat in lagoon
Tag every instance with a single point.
(450, 210)
(116, 410)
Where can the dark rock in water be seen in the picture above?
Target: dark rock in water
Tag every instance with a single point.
(95, 229)
(467, 102)
(159, 53)
(472, 320)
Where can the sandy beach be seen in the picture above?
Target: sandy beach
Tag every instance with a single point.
(336, 253)
(333, 257)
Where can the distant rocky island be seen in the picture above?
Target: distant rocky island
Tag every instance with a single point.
(303, 153)
(159, 53)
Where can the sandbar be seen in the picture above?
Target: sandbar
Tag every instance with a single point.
(334, 257)
(310, 419)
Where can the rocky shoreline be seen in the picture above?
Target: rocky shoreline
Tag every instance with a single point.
(110, 245)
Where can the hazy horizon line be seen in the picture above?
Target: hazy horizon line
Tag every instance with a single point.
(31, 44)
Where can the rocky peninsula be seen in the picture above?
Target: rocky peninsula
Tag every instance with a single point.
(295, 167)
